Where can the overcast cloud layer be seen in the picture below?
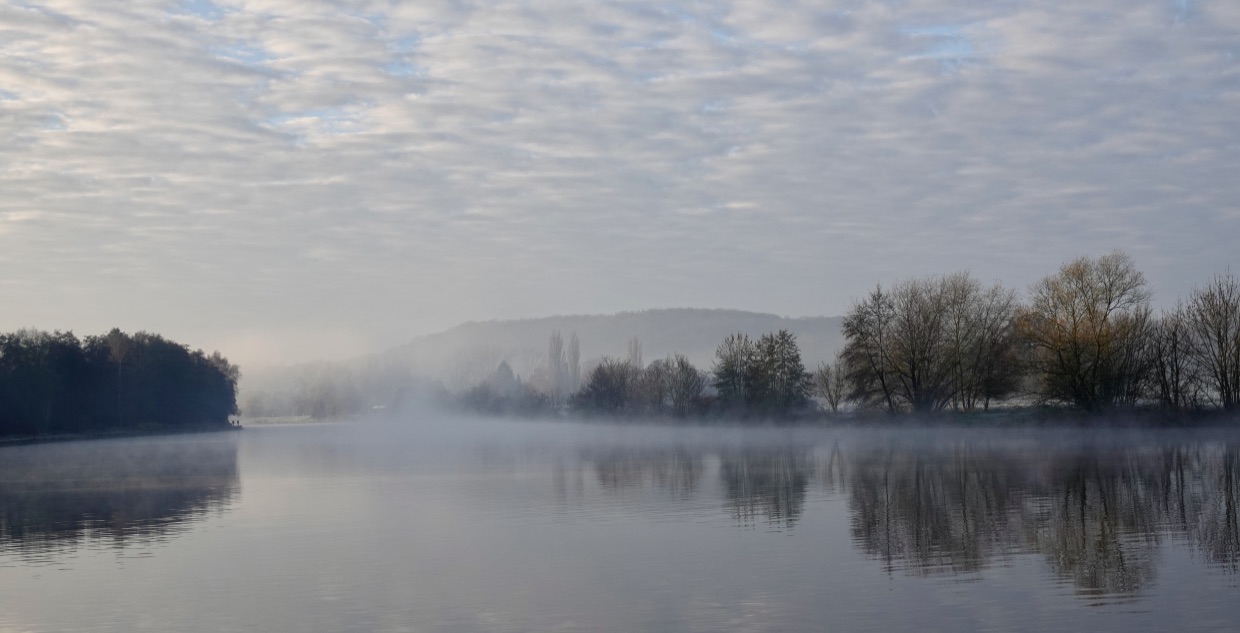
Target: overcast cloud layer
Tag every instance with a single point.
(256, 175)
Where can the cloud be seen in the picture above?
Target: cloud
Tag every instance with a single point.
(218, 167)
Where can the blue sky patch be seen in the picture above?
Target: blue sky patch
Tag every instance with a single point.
(243, 52)
(205, 9)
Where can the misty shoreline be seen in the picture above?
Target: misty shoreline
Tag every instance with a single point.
(1013, 418)
(113, 434)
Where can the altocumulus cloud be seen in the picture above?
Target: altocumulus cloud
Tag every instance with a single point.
(359, 172)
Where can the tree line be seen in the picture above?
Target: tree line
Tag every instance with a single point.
(1084, 337)
(52, 383)
(761, 377)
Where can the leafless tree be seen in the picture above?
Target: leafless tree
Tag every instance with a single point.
(635, 352)
(931, 343)
(921, 345)
(831, 383)
(1213, 317)
(574, 363)
(1174, 374)
(652, 388)
(556, 373)
(731, 359)
(981, 328)
(685, 384)
(1086, 326)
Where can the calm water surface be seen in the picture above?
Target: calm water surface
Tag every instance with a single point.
(438, 525)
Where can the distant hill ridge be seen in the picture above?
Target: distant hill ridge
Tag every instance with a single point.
(694, 332)
(466, 355)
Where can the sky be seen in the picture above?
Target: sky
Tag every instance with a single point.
(290, 180)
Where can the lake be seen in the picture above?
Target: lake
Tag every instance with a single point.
(437, 524)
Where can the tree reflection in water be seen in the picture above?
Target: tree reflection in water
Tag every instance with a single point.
(677, 472)
(1096, 514)
(58, 497)
(769, 484)
(764, 484)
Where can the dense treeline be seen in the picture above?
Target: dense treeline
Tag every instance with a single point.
(53, 383)
(1085, 337)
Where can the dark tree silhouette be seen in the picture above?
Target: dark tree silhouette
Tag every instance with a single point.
(609, 388)
(56, 383)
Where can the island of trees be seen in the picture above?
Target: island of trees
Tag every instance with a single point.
(56, 383)
(1084, 338)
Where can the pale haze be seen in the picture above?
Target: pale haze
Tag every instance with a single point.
(290, 180)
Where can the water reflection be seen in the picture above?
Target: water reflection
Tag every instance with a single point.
(758, 486)
(676, 472)
(57, 497)
(1096, 514)
(766, 484)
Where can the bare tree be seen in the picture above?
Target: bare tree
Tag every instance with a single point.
(556, 367)
(983, 341)
(731, 359)
(1213, 316)
(685, 384)
(574, 363)
(931, 343)
(635, 352)
(831, 383)
(1086, 326)
(921, 345)
(652, 388)
(1174, 374)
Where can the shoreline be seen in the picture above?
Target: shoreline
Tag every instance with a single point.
(104, 435)
(1013, 418)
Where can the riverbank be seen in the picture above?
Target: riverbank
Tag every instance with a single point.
(1025, 417)
(103, 435)
(1022, 417)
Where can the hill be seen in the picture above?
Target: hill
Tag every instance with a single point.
(470, 350)
(465, 355)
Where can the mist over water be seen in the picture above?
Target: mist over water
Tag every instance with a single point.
(124, 494)
(456, 524)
